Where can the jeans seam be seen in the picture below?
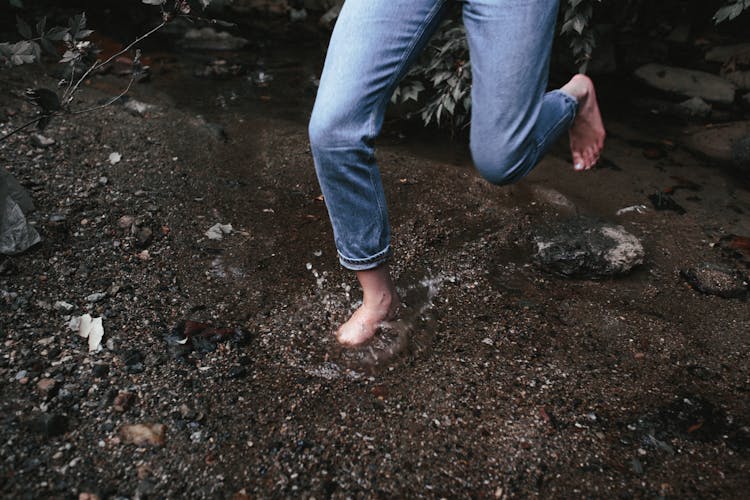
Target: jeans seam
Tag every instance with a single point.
(571, 109)
(409, 52)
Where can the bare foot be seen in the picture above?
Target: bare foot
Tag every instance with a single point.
(380, 303)
(587, 133)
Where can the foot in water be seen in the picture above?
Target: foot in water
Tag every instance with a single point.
(380, 303)
(587, 132)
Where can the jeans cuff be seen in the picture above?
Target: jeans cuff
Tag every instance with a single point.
(569, 99)
(368, 263)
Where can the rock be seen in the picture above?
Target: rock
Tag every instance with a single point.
(125, 222)
(16, 234)
(209, 39)
(138, 108)
(218, 230)
(687, 82)
(143, 237)
(584, 247)
(718, 142)
(143, 434)
(47, 387)
(695, 107)
(100, 370)
(738, 53)
(716, 279)
(41, 141)
(95, 297)
(741, 79)
(61, 305)
(123, 401)
(741, 152)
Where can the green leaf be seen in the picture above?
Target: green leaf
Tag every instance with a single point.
(17, 4)
(56, 33)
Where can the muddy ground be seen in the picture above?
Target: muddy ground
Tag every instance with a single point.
(504, 380)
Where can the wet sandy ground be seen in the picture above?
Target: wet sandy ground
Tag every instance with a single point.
(505, 381)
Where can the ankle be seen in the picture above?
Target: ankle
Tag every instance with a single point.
(381, 299)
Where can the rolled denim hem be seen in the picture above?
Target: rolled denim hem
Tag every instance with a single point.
(571, 100)
(368, 263)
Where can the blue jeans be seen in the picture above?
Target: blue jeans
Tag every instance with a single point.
(513, 120)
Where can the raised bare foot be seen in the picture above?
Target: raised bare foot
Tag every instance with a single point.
(587, 133)
(366, 320)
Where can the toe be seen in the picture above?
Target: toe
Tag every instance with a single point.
(578, 161)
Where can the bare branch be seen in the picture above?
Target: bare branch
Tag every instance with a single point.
(68, 97)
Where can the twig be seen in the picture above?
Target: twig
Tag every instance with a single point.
(68, 97)
(25, 125)
(111, 101)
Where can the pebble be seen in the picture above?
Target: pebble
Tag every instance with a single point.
(125, 221)
(123, 401)
(61, 305)
(46, 386)
(95, 297)
(100, 370)
(143, 434)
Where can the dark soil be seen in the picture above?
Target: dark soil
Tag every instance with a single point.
(503, 381)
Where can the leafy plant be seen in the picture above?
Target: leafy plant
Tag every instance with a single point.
(444, 75)
(440, 82)
(77, 52)
(731, 10)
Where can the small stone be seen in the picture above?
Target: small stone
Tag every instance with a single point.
(100, 370)
(95, 297)
(695, 106)
(61, 305)
(21, 374)
(123, 401)
(41, 141)
(88, 496)
(47, 386)
(143, 434)
(114, 158)
(138, 108)
(125, 222)
(144, 237)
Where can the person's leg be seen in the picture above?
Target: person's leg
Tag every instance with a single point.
(372, 46)
(514, 122)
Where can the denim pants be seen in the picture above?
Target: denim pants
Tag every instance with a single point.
(374, 42)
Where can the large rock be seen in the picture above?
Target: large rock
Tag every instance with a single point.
(726, 143)
(687, 82)
(16, 234)
(738, 53)
(584, 247)
(716, 279)
(741, 79)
